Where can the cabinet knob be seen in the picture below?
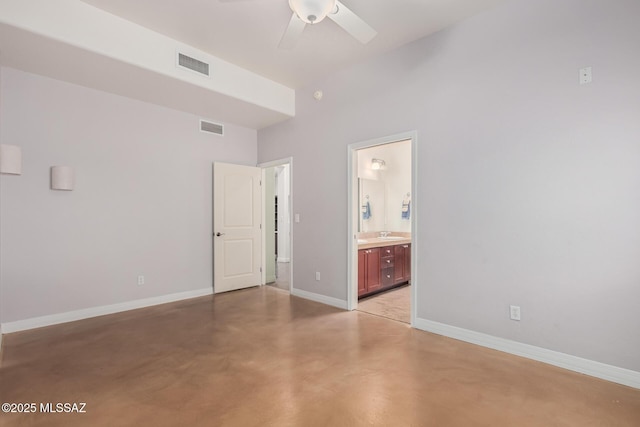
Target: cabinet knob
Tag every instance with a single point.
(405, 246)
(388, 276)
(388, 261)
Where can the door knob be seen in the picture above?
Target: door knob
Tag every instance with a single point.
(219, 234)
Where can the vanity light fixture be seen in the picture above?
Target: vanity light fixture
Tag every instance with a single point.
(62, 178)
(377, 164)
(10, 159)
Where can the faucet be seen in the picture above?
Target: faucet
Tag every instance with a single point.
(384, 233)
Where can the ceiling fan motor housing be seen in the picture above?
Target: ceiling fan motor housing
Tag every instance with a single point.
(312, 11)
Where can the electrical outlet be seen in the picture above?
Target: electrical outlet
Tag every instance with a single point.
(318, 276)
(585, 75)
(140, 280)
(514, 312)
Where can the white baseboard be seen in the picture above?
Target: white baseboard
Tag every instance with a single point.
(284, 259)
(335, 302)
(70, 316)
(573, 363)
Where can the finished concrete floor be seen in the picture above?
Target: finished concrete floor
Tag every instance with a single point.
(260, 357)
(283, 270)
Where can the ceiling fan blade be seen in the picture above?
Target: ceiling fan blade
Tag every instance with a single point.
(292, 33)
(352, 24)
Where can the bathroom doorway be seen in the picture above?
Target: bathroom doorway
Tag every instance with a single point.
(382, 241)
(277, 271)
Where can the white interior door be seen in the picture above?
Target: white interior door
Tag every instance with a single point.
(237, 237)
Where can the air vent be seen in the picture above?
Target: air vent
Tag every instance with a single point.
(193, 64)
(210, 127)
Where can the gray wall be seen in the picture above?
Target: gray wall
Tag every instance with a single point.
(142, 202)
(528, 185)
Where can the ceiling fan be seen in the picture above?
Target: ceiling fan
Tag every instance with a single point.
(313, 11)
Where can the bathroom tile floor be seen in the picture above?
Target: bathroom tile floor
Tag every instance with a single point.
(394, 304)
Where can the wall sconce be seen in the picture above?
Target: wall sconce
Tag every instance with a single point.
(377, 164)
(62, 178)
(10, 159)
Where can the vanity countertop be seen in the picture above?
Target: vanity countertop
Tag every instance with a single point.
(377, 242)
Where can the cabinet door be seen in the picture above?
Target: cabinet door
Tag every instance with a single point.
(407, 262)
(362, 272)
(373, 270)
(399, 275)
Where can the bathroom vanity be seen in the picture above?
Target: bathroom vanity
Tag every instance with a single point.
(383, 263)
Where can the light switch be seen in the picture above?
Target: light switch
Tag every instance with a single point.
(297, 217)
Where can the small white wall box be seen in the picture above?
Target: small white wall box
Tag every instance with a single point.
(62, 178)
(10, 159)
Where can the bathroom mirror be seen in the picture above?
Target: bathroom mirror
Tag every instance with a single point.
(373, 206)
(388, 186)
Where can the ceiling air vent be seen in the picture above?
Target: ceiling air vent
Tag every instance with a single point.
(193, 64)
(210, 127)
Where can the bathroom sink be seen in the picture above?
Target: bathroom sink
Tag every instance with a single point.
(392, 238)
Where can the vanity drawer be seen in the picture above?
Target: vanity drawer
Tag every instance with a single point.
(387, 261)
(387, 251)
(388, 276)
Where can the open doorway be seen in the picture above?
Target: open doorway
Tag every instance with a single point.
(277, 271)
(382, 238)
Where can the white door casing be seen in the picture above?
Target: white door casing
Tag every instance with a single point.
(353, 212)
(237, 236)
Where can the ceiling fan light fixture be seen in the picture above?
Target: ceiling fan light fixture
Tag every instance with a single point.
(312, 11)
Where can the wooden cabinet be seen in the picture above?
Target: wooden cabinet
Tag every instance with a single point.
(402, 263)
(387, 277)
(383, 268)
(369, 271)
(407, 263)
(362, 272)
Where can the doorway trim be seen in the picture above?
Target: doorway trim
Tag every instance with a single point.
(352, 209)
(264, 166)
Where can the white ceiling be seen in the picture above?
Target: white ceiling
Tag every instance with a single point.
(247, 32)
(127, 47)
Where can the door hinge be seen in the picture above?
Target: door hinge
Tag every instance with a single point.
(260, 226)
(260, 269)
